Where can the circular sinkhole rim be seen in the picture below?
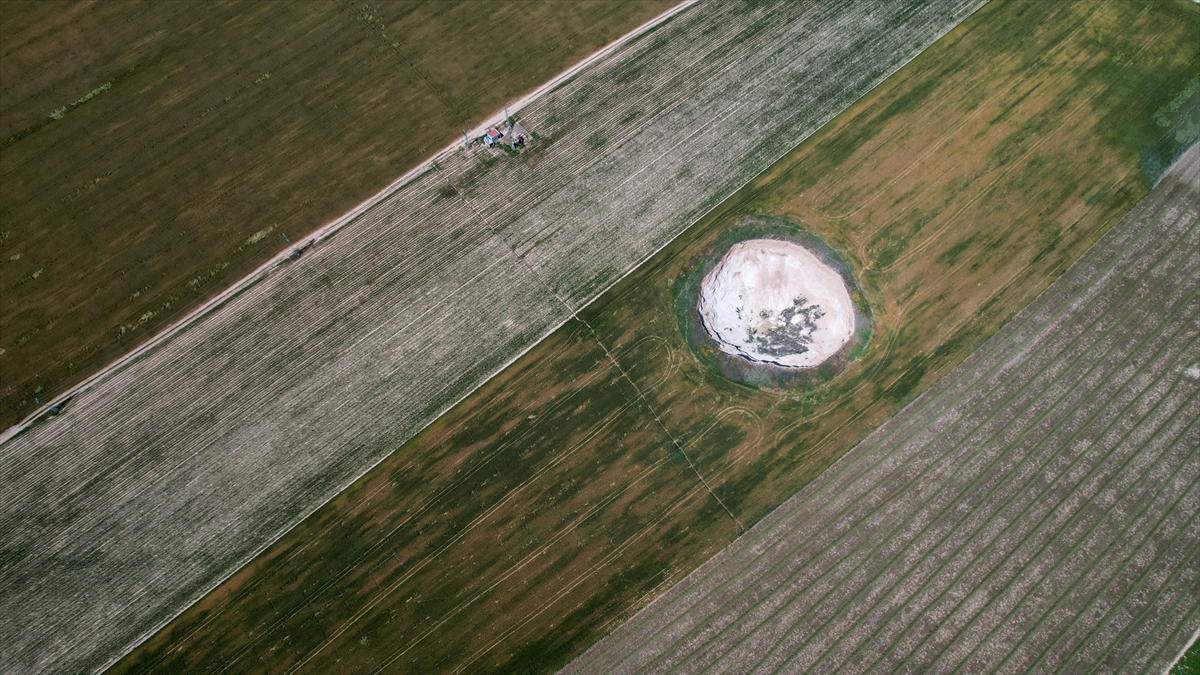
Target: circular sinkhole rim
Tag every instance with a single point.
(763, 375)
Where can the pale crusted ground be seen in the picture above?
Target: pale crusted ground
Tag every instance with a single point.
(775, 301)
(170, 472)
(1036, 511)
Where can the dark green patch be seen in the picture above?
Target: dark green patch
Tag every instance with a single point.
(891, 250)
(1190, 663)
(902, 389)
(596, 140)
(1150, 107)
(1049, 237)
(950, 255)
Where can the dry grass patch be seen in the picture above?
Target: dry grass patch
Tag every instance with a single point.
(548, 506)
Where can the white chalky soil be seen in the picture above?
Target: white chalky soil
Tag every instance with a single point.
(774, 301)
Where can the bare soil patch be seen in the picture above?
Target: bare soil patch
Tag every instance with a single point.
(775, 301)
(514, 533)
(767, 372)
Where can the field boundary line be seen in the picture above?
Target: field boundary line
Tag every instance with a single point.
(329, 229)
(419, 510)
(794, 651)
(1179, 657)
(836, 565)
(574, 314)
(771, 522)
(321, 234)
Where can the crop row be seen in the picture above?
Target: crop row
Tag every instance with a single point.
(172, 471)
(526, 522)
(1036, 510)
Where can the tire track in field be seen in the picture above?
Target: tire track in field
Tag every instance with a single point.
(1118, 432)
(1042, 323)
(182, 462)
(870, 555)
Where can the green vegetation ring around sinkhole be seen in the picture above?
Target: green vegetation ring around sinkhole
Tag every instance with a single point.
(755, 374)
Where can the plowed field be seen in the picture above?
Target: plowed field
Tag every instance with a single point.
(175, 468)
(608, 462)
(1037, 511)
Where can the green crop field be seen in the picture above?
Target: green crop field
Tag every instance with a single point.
(153, 153)
(1189, 663)
(1033, 512)
(610, 461)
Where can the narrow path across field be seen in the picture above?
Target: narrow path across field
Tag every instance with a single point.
(1038, 510)
(170, 472)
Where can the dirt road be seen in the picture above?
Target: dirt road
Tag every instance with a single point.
(167, 474)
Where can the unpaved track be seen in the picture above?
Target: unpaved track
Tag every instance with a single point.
(1037, 510)
(168, 473)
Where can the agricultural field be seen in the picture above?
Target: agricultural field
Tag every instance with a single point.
(1037, 510)
(153, 153)
(179, 464)
(1188, 663)
(609, 461)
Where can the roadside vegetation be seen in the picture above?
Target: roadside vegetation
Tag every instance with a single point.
(1189, 663)
(609, 462)
(153, 153)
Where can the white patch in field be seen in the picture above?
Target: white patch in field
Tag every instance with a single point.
(1193, 372)
(774, 301)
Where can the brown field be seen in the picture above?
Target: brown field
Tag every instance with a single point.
(1034, 512)
(153, 153)
(565, 493)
